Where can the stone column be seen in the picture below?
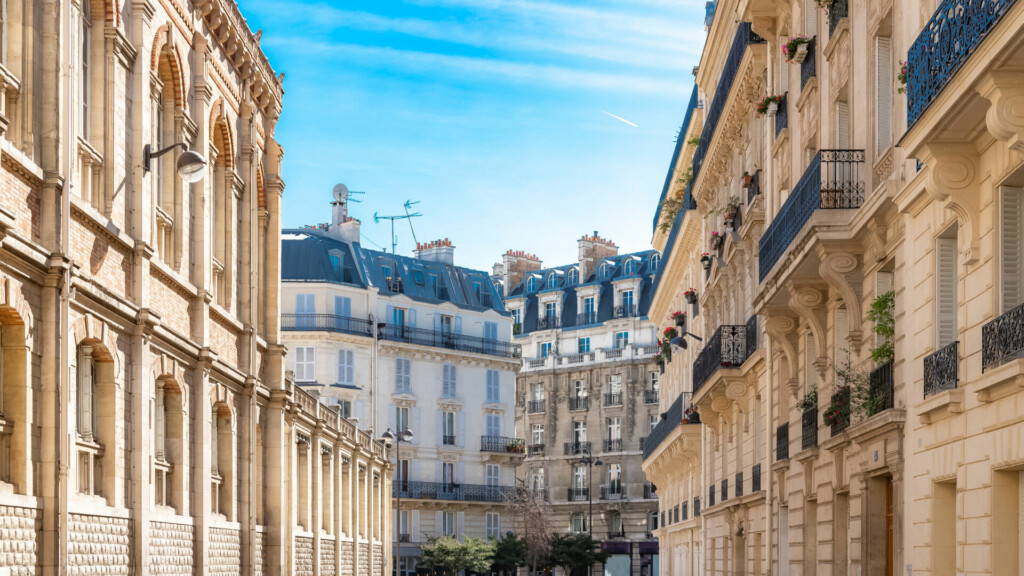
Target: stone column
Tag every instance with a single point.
(202, 465)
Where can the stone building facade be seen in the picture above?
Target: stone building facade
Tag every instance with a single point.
(861, 167)
(146, 423)
(587, 394)
(417, 342)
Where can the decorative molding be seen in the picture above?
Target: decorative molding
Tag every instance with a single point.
(1005, 116)
(953, 179)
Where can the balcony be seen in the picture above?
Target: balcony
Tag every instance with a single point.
(1002, 339)
(880, 387)
(578, 494)
(809, 428)
(577, 448)
(941, 369)
(613, 399)
(651, 491)
(755, 478)
(744, 37)
(611, 492)
(548, 323)
(535, 449)
(782, 442)
(809, 67)
(326, 323)
(536, 406)
(502, 444)
(579, 403)
(839, 410)
(449, 340)
(832, 181)
(613, 445)
(679, 413)
(729, 347)
(586, 319)
(628, 311)
(453, 492)
(948, 40)
(578, 358)
(650, 396)
(782, 116)
(447, 440)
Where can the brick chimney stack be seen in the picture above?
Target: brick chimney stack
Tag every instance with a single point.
(593, 249)
(342, 226)
(515, 264)
(436, 251)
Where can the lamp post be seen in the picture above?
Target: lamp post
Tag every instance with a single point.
(590, 461)
(191, 166)
(403, 436)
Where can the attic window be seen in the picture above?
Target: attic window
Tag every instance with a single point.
(606, 270)
(337, 258)
(552, 280)
(476, 290)
(386, 270)
(417, 278)
(573, 277)
(531, 284)
(630, 267)
(655, 260)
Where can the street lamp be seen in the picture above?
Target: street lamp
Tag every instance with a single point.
(403, 436)
(590, 461)
(191, 166)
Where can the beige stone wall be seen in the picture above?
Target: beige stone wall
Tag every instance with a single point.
(171, 546)
(19, 547)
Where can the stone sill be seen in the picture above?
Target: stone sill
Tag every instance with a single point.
(843, 27)
(1000, 381)
(9, 498)
(870, 427)
(944, 403)
(744, 500)
(167, 515)
(95, 506)
(807, 93)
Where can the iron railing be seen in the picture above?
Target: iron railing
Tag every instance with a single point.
(838, 10)
(738, 486)
(613, 445)
(535, 449)
(1002, 339)
(809, 67)
(613, 399)
(670, 419)
(880, 388)
(453, 491)
(954, 32)
(584, 319)
(831, 181)
(624, 311)
(650, 396)
(782, 442)
(502, 444)
(650, 491)
(536, 406)
(449, 340)
(547, 323)
(579, 403)
(809, 428)
(577, 494)
(680, 144)
(755, 478)
(326, 323)
(575, 448)
(611, 492)
(941, 369)
(782, 115)
(729, 347)
(839, 410)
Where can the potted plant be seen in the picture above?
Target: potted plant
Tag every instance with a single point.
(902, 77)
(769, 105)
(694, 141)
(705, 261)
(660, 361)
(837, 412)
(691, 296)
(796, 47)
(809, 401)
(717, 240)
(679, 317)
(669, 333)
(666, 349)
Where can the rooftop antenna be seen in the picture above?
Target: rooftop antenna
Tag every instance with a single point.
(409, 204)
(407, 216)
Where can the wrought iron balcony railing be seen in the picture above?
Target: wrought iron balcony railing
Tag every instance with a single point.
(650, 491)
(628, 311)
(809, 67)
(880, 388)
(941, 369)
(536, 406)
(954, 32)
(502, 444)
(326, 323)
(576, 448)
(535, 449)
(547, 323)
(755, 478)
(729, 347)
(613, 445)
(578, 494)
(831, 181)
(782, 115)
(838, 410)
(585, 319)
(453, 491)
(680, 143)
(782, 442)
(449, 340)
(676, 415)
(613, 399)
(650, 396)
(1002, 339)
(809, 428)
(838, 10)
(579, 403)
(611, 492)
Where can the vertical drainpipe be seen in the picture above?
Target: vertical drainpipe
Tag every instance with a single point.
(766, 464)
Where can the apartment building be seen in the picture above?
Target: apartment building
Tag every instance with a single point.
(417, 343)
(587, 393)
(862, 158)
(146, 423)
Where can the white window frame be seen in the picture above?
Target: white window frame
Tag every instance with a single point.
(493, 387)
(305, 363)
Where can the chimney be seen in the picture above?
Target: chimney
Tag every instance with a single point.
(437, 251)
(514, 266)
(593, 249)
(342, 226)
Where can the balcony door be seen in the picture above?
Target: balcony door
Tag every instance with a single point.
(305, 308)
(342, 312)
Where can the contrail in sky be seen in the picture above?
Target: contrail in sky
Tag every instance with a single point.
(620, 119)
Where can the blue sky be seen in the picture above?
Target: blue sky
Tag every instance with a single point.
(497, 115)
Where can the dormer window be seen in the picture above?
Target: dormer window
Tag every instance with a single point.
(630, 267)
(655, 262)
(606, 270)
(417, 277)
(337, 258)
(552, 280)
(531, 284)
(573, 277)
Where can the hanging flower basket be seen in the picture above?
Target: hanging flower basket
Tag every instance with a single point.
(717, 240)
(769, 106)
(796, 47)
(747, 179)
(902, 77)
(679, 317)
(705, 261)
(669, 333)
(666, 349)
(691, 296)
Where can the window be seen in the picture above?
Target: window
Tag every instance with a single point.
(346, 368)
(545, 349)
(447, 324)
(579, 477)
(493, 526)
(448, 381)
(537, 391)
(398, 316)
(345, 406)
(615, 479)
(550, 313)
(615, 528)
(168, 440)
(1012, 248)
(493, 387)
(537, 481)
(493, 475)
(552, 280)
(448, 523)
(630, 267)
(578, 522)
(583, 345)
(493, 424)
(573, 277)
(418, 278)
(652, 421)
(883, 94)
(615, 384)
(589, 310)
(621, 340)
(579, 431)
(579, 389)
(655, 262)
(448, 428)
(305, 364)
(401, 418)
(86, 71)
(537, 434)
(614, 425)
(946, 288)
(517, 316)
(448, 473)
(343, 312)
(606, 270)
(222, 478)
(305, 311)
(842, 119)
(626, 297)
(531, 284)
(337, 260)
(403, 370)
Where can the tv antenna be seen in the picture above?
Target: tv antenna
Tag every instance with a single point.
(409, 204)
(407, 216)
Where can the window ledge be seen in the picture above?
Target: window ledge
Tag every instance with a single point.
(1000, 381)
(943, 403)
(9, 498)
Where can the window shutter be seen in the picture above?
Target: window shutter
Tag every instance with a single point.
(414, 528)
(458, 324)
(411, 317)
(391, 314)
(161, 422)
(460, 429)
(1011, 249)
(439, 523)
(85, 392)
(810, 17)
(842, 125)
(945, 290)
(343, 306)
(883, 94)
(460, 524)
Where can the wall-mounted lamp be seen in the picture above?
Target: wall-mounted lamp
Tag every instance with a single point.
(191, 166)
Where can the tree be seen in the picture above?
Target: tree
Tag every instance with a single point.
(447, 556)
(509, 554)
(575, 552)
(531, 507)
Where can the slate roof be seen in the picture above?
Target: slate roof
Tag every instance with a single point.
(311, 255)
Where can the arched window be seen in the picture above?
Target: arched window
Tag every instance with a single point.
(95, 419)
(166, 130)
(223, 212)
(630, 267)
(553, 280)
(572, 277)
(15, 409)
(606, 270)
(531, 284)
(655, 262)
(168, 438)
(222, 448)
(85, 57)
